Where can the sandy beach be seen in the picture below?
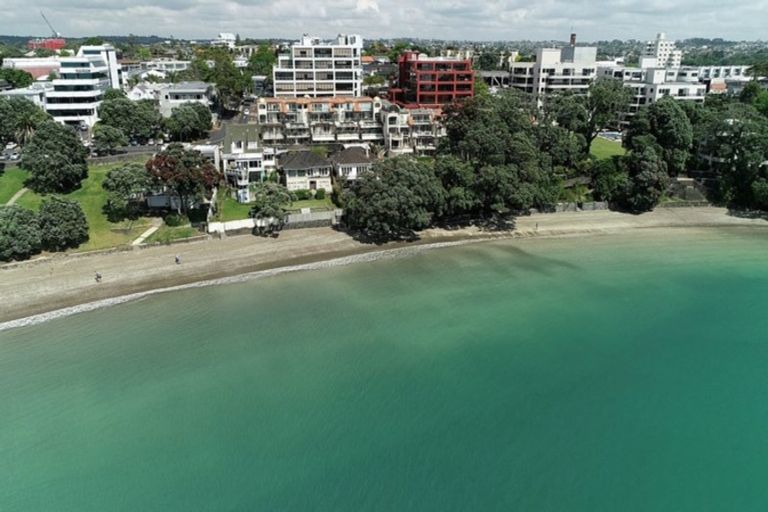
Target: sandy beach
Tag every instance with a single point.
(53, 282)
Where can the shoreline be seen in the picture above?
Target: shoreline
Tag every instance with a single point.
(39, 290)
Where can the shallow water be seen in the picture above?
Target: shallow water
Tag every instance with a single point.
(621, 372)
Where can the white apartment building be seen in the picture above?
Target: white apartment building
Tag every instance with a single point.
(166, 65)
(291, 121)
(225, 40)
(664, 51)
(34, 93)
(724, 72)
(411, 131)
(649, 85)
(184, 92)
(571, 68)
(245, 160)
(318, 68)
(79, 90)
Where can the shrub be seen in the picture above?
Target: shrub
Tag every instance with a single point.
(303, 195)
(174, 219)
(320, 193)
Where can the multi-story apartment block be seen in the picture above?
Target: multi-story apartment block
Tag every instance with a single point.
(649, 85)
(724, 72)
(79, 90)
(664, 51)
(411, 130)
(425, 81)
(318, 68)
(184, 92)
(245, 159)
(291, 121)
(556, 70)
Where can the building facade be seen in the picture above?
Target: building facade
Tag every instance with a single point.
(79, 89)
(245, 159)
(184, 92)
(424, 82)
(301, 121)
(649, 85)
(664, 51)
(571, 68)
(306, 170)
(316, 68)
(411, 131)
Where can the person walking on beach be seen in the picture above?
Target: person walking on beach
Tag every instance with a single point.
(178, 259)
(98, 277)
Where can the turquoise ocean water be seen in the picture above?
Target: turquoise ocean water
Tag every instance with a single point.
(611, 373)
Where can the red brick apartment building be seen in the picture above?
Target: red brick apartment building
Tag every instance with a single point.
(431, 82)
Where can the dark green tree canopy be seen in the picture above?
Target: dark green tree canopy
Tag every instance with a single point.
(270, 203)
(188, 122)
(16, 77)
(106, 139)
(62, 224)
(55, 158)
(20, 118)
(19, 233)
(668, 124)
(126, 188)
(397, 197)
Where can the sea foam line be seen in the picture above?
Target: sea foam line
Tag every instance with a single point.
(240, 278)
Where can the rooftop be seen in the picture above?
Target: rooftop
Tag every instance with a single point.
(353, 155)
(298, 160)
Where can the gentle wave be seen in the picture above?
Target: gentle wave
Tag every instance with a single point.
(240, 278)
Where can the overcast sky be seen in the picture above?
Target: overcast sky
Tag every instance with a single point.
(446, 19)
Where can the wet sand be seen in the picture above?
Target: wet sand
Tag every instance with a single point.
(58, 281)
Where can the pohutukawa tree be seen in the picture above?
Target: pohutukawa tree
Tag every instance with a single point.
(55, 158)
(184, 172)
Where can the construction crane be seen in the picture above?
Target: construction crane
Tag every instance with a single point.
(55, 43)
(53, 30)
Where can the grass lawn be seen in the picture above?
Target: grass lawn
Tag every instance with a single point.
(103, 234)
(11, 181)
(230, 209)
(167, 234)
(315, 204)
(603, 149)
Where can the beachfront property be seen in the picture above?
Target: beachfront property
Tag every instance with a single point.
(432, 82)
(317, 68)
(79, 89)
(649, 83)
(301, 121)
(245, 160)
(411, 131)
(185, 92)
(305, 170)
(568, 69)
(350, 163)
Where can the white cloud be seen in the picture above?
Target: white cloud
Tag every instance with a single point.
(446, 19)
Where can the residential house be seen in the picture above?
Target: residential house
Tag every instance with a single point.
(245, 160)
(306, 170)
(185, 92)
(350, 163)
(411, 131)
